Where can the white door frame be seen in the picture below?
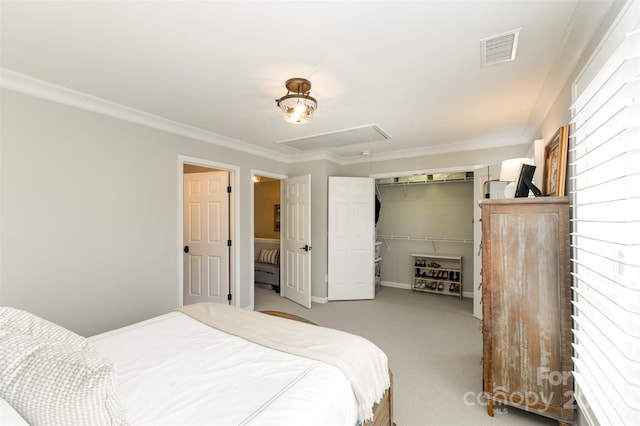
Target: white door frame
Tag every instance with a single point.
(252, 249)
(234, 211)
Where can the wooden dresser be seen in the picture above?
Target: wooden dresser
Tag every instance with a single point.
(526, 303)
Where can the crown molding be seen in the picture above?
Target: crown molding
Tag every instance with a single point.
(471, 145)
(31, 86)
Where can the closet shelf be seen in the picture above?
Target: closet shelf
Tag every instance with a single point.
(426, 179)
(416, 238)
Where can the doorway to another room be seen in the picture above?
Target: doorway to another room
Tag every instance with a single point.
(206, 264)
(266, 231)
(282, 211)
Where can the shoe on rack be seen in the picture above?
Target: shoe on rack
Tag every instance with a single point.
(440, 286)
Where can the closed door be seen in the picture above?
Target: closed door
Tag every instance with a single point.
(295, 281)
(206, 235)
(351, 238)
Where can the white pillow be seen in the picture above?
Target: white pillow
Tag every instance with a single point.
(9, 416)
(24, 322)
(53, 383)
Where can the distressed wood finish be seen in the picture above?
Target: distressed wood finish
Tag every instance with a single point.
(383, 410)
(526, 299)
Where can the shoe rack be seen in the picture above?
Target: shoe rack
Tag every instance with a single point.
(434, 273)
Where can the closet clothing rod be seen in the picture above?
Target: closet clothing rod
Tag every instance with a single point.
(414, 238)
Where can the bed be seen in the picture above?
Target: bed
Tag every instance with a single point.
(193, 367)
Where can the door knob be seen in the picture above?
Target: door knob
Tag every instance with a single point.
(306, 247)
(186, 249)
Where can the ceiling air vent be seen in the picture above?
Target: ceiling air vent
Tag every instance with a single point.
(499, 48)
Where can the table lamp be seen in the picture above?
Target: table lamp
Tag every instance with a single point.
(509, 172)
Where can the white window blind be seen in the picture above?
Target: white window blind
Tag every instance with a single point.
(604, 179)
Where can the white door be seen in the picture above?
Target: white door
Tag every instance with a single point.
(206, 235)
(351, 238)
(295, 238)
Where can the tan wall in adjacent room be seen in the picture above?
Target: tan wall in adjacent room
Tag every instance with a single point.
(267, 195)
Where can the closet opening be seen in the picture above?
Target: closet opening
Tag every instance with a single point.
(425, 233)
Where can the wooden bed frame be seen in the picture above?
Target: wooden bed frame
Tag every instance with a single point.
(383, 410)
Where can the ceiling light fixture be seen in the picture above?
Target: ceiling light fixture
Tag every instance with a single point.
(297, 105)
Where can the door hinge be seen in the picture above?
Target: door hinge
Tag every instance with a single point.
(228, 243)
(229, 189)
(229, 297)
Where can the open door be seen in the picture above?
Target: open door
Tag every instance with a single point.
(206, 236)
(295, 238)
(351, 238)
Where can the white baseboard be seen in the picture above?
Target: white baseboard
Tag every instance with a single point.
(396, 285)
(317, 299)
(466, 294)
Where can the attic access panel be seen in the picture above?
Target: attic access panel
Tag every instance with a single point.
(339, 138)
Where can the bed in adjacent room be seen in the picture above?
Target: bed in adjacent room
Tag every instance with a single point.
(193, 367)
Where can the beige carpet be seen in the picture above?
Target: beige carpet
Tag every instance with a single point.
(434, 345)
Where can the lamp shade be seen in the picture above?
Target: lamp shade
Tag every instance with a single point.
(509, 172)
(510, 169)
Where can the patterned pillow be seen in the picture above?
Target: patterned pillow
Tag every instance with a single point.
(56, 383)
(271, 256)
(23, 322)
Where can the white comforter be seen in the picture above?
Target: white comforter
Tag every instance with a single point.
(174, 370)
(364, 364)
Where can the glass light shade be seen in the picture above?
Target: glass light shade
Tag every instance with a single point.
(297, 109)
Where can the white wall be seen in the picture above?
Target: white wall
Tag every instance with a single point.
(89, 220)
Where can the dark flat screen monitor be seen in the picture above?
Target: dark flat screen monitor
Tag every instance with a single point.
(525, 182)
